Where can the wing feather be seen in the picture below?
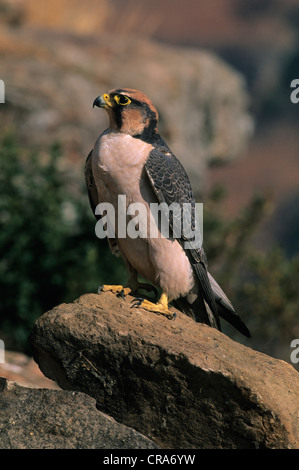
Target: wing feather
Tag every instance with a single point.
(94, 199)
(172, 185)
(90, 185)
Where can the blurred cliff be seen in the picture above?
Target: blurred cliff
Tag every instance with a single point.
(52, 80)
(216, 71)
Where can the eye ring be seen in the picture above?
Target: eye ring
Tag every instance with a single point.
(122, 100)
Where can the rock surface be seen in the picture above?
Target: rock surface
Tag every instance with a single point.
(52, 419)
(52, 80)
(182, 384)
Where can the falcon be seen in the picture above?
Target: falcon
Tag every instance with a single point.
(131, 159)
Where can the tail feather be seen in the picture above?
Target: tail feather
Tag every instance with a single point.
(198, 310)
(207, 293)
(225, 308)
(201, 312)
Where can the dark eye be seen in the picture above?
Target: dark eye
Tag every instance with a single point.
(122, 100)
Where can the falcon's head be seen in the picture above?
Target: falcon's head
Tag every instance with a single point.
(129, 111)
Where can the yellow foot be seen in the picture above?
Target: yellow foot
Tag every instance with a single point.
(160, 307)
(119, 290)
(129, 288)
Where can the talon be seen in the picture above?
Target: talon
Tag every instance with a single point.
(160, 307)
(121, 294)
(136, 304)
(171, 316)
(119, 290)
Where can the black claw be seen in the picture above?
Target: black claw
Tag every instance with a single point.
(121, 294)
(136, 305)
(138, 300)
(171, 316)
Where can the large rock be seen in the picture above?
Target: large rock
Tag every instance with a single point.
(182, 384)
(51, 419)
(52, 80)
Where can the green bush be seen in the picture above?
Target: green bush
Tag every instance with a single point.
(49, 252)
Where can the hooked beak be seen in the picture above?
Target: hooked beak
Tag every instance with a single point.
(103, 101)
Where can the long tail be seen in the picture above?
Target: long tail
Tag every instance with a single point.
(226, 310)
(199, 310)
(202, 313)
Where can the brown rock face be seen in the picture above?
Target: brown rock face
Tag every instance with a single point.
(55, 419)
(182, 384)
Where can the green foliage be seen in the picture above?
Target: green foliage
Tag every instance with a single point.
(49, 252)
(273, 292)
